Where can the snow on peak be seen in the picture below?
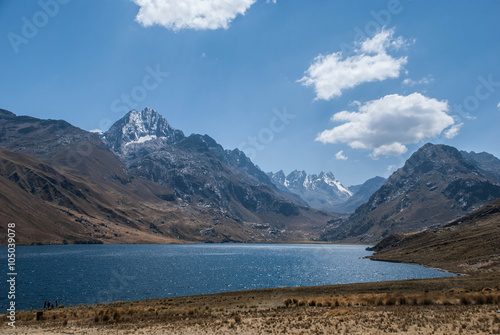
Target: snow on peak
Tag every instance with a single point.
(138, 128)
(330, 180)
(142, 139)
(143, 123)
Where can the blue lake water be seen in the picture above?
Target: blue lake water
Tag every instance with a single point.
(85, 274)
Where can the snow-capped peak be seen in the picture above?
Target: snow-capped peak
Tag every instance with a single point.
(138, 128)
(329, 179)
(324, 185)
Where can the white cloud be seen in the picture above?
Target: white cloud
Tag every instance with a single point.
(190, 14)
(409, 82)
(453, 130)
(331, 74)
(393, 149)
(340, 155)
(424, 81)
(498, 105)
(96, 131)
(386, 125)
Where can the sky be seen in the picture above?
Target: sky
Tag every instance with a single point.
(351, 87)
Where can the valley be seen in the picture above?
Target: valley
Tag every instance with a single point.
(143, 181)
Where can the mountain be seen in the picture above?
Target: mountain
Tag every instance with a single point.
(195, 166)
(436, 185)
(61, 184)
(470, 244)
(203, 173)
(139, 133)
(321, 191)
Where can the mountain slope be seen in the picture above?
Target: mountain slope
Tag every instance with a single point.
(436, 185)
(470, 244)
(58, 143)
(487, 163)
(50, 205)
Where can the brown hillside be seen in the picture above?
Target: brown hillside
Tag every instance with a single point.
(51, 206)
(467, 245)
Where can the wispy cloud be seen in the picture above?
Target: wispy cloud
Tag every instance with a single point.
(424, 81)
(333, 73)
(340, 155)
(191, 14)
(385, 126)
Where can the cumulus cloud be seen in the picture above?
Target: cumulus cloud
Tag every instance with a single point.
(340, 155)
(190, 14)
(333, 73)
(385, 126)
(424, 81)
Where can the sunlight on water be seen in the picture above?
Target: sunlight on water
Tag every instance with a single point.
(85, 274)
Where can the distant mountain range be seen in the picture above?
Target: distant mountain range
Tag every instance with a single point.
(324, 191)
(143, 181)
(140, 182)
(437, 184)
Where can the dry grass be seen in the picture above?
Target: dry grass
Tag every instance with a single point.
(390, 299)
(460, 305)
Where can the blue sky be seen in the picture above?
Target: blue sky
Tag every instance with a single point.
(352, 87)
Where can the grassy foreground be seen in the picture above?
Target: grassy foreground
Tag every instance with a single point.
(453, 305)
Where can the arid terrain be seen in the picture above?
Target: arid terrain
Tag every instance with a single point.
(465, 304)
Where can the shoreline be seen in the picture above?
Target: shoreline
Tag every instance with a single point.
(196, 242)
(289, 288)
(419, 264)
(448, 302)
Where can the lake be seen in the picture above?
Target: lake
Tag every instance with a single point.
(86, 274)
